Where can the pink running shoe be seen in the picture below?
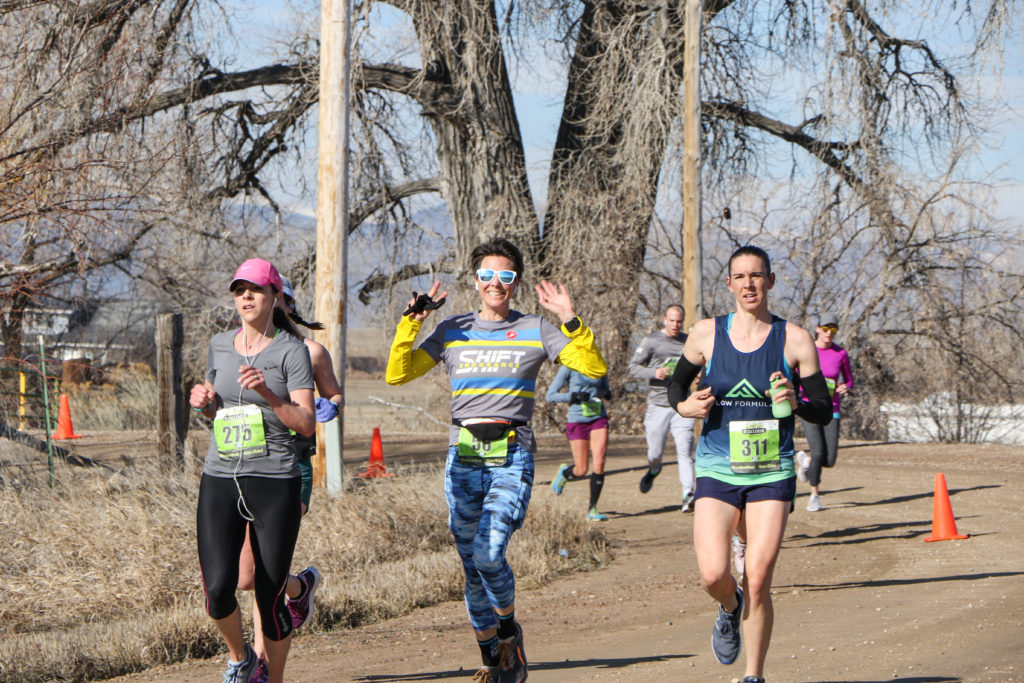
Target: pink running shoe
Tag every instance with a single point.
(301, 608)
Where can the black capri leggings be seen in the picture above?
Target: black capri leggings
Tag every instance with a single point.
(220, 532)
(824, 445)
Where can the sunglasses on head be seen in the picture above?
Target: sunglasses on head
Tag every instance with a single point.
(505, 277)
(830, 328)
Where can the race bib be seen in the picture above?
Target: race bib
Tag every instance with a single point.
(831, 383)
(754, 446)
(592, 408)
(671, 365)
(475, 447)
(239, 432)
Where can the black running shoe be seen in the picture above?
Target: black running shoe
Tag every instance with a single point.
(512, 667)
(647, 481)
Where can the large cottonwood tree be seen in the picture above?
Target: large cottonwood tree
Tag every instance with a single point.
(875, 119)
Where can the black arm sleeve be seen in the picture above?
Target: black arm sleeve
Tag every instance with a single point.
(818, 409)
(682, 376)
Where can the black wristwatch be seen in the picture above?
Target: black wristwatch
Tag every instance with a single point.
(573, 325)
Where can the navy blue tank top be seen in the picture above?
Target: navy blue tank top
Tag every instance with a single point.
(739, 382)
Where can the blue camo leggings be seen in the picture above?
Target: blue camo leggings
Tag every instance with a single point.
(485, 505)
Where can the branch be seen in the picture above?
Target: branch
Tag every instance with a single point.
(379, 281)
(832, 154)
(163, 38)
(55, 268)
(200, 88)
(405, 407)
(265, 146)
(435, 96)
(390, 196)
(860, 13)
(8, 6)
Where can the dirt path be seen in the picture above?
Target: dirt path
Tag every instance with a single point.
(858, 595)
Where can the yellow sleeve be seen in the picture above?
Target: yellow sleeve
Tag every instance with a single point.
(581, 353)
(404, 363)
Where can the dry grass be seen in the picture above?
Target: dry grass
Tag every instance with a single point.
(100, 574)
(126, 399)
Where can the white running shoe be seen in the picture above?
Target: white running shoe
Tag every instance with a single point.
(803, 461)
(814, 503)
(739, 555)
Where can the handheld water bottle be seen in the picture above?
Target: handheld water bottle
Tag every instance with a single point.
(783, 408)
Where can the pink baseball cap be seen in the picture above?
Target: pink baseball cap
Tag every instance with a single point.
(259, 272)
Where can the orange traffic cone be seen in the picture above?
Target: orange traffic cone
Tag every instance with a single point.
(64, 428)
(943, 524)
(375, 467)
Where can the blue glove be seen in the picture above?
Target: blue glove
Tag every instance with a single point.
(325, 410)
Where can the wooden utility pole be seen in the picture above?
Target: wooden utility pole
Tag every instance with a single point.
(332, 219)
(693, 294)
(171, 420)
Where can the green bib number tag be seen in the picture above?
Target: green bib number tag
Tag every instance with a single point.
(754, 446)
(490, 452)
(831, 383)
(591, 408)
(239, 432)
(671, 365)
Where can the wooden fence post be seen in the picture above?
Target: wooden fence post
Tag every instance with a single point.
(172, 421)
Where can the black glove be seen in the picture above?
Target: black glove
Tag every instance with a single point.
(607, 394)
(579, 397)
(424, 303)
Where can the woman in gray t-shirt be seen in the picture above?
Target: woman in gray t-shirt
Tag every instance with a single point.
(259, 385)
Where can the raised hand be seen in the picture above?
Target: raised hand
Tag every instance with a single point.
(414, 312)
(555, 298)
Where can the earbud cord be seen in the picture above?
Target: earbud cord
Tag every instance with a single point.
(243, 507)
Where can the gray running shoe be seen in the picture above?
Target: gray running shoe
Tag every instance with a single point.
(725, 639)
(814, 503)
(512, 667)
(241, 672)
(301, 608)
(687, 505)
(647, 481)
(753, 679)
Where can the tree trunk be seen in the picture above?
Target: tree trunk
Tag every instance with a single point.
(605, 167)
(479, 146)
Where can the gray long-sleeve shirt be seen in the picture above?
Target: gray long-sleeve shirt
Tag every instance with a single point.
(657, 350)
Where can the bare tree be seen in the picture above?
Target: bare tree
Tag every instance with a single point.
(118, 146)
(881, 116)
